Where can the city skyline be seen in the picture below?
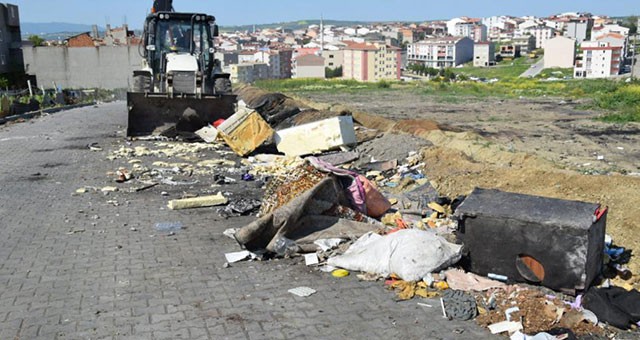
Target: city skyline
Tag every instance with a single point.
(116, 12)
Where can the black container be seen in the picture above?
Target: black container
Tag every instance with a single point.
(556, 243)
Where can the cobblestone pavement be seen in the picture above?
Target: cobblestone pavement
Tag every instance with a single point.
(92, 266)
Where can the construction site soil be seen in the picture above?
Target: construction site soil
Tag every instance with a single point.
(543, 146)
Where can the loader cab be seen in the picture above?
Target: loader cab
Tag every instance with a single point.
(179, 33)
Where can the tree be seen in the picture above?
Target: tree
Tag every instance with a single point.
(632, 23)
(36, 40)
(333, 72)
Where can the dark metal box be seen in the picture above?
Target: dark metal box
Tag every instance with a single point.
(556, 243)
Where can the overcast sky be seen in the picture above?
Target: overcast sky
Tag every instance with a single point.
(230, 12)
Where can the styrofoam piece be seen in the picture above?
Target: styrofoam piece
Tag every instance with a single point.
(311, 259)
(505, 326)
(302, 291)
(316, 137)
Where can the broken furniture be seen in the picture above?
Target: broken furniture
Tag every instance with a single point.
(553, 242)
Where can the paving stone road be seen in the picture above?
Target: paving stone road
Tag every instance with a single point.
(93, 266)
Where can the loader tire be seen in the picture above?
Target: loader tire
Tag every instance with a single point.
(141, 83)
(222, 86)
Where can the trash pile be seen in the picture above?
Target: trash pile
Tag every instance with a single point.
(351, 199)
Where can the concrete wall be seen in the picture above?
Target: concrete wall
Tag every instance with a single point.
(310, 71)
(559, 52)
(464, 51)
(107, 67)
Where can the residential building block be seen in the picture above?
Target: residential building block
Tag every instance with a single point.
(484, 54)
(598, 59)
(11, 57)
(441, 52)
(371, 62)
(541, 33)
(526, 43)
(579, 28)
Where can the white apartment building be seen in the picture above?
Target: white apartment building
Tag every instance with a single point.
(598, 31)
(441, 52)
(495, 22)
(598, 60)
(471, 30)
(541, 33)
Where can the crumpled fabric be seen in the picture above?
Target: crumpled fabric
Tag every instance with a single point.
(303, 220)
(616, 306)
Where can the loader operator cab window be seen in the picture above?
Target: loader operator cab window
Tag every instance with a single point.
(177, 36)
(173, 36)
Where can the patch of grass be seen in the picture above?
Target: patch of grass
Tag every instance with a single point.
(504, 69)
(320, 85)
(555, 72)
(624, 102)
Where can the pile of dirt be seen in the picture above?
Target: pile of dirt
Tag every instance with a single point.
(455, 173)
(391, 146)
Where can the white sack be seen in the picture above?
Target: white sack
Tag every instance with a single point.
(411, 254)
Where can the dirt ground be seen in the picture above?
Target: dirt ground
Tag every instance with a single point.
(544, 146)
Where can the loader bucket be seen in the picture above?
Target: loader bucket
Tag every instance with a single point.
(153, 113)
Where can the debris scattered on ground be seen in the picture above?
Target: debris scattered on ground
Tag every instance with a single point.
(245, 131)
(241, 207)
(208, 134)
(302, 291)
(169, 226)
(311, 259)
(238, 256)
(376, 212)
(198, 202)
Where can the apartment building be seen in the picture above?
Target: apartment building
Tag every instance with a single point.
(441, 52)
(495, 22)
(579, 28)
(248, 72)
(597, 31)
(484, 54)
(526, 43)
(541, 33)
(286, 59)
(371, 62)
(598, 59)
(476, 32)
(271, 58)
(11, 59)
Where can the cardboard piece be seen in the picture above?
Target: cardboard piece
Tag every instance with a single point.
(324, 135)
(245, 131)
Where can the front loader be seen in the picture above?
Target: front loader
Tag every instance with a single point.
(179, 72)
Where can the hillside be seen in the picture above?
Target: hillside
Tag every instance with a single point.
(43, 28)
